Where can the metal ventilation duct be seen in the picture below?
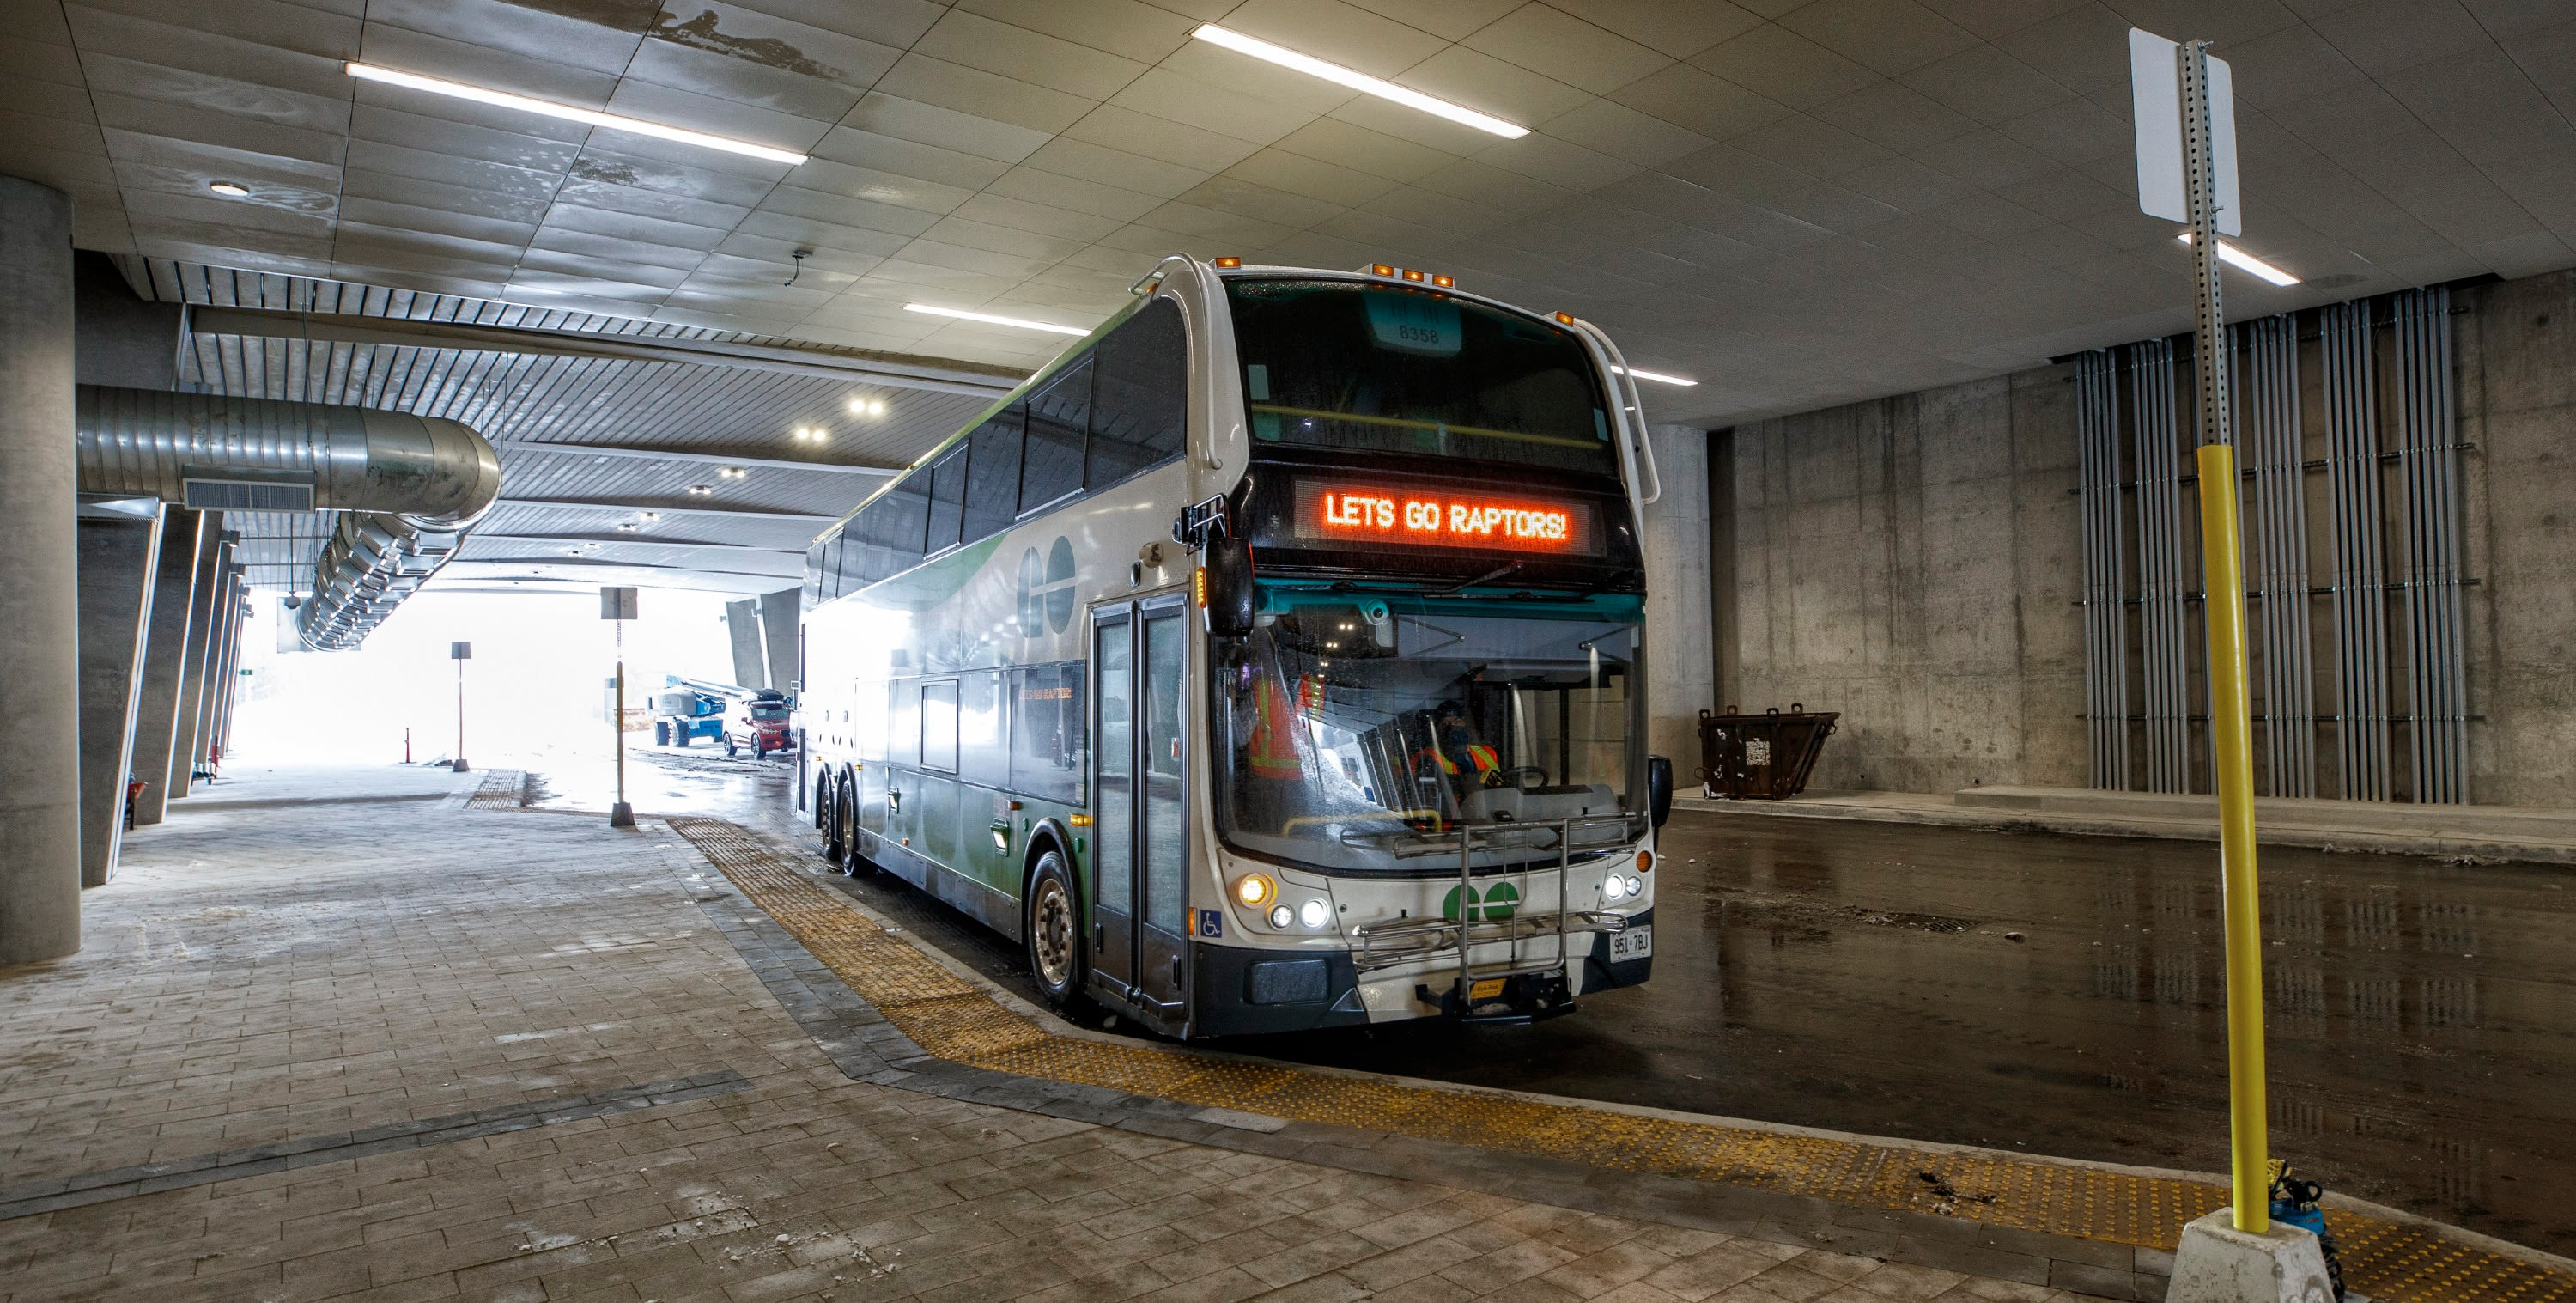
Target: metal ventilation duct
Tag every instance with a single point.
(408, 487)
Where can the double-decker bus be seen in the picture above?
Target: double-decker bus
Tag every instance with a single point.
(1272, 660)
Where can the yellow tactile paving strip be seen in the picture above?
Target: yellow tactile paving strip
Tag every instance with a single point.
(954, 1020)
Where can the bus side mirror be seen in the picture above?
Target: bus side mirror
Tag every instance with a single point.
(1226, 593)
(1659, 789)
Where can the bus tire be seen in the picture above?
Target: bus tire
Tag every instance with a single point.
(1053, 926)
(853, 864)
(827, 816)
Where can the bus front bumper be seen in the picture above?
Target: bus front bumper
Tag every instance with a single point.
(1247, 992)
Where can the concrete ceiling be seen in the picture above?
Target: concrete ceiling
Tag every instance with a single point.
(1798, 203)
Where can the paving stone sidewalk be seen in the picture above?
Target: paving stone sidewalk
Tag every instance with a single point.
(399, 1051)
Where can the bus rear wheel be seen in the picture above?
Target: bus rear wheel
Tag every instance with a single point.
(827, 816)
(846, 832)
(1054, 931)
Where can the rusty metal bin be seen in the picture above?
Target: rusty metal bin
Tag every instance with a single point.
(1764, 757)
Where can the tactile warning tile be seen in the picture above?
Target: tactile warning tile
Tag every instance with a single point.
(501, 789)
(954, 1020)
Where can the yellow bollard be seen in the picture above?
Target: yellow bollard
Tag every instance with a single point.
(2231, 749)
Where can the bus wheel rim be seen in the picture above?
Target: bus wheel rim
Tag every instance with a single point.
(1053, 935)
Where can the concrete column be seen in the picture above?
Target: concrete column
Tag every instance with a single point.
(218, 657)
(779, 614)
(212, 552)
(165, 643)
(119, 557)
(742, 628)
(1678, 628)
(39, 574)
(230, 696)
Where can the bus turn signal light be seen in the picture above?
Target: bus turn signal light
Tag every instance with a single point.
(1253, 890)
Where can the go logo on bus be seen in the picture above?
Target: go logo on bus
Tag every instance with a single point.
(1492, 905)
(1046, 590)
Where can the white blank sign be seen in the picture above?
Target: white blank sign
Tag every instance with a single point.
(2155, 101)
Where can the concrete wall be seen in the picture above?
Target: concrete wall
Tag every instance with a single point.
(2517, 384)
(1678, 666)
(1914, 562)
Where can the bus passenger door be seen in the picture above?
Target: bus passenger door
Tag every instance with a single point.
(1140, 864)
(1113, 797)
(1162, 810)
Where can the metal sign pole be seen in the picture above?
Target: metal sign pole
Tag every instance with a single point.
(618, 604)
(460, 652)
(2231, 727)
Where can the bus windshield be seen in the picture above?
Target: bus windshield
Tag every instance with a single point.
(1384, 368)
(1358, 734)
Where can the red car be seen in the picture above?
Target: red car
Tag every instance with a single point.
(760, 722)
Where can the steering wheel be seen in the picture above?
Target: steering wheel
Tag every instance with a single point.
(1511, 776)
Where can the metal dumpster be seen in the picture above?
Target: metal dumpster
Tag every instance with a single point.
(1764, 757)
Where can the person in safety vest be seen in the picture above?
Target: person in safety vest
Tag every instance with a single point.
(1271, 761)
(1467, 762)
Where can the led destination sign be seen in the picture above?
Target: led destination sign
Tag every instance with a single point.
(1374, 513)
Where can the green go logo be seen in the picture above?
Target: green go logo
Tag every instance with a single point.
(1492, 905)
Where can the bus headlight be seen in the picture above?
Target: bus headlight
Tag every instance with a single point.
(1253, 890)
(1613, 887)
(1635, 888)
(1280, 917)
(1313, 913)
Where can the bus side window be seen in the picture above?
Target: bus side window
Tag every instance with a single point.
(847, 562)
(993, 474)
(897, 522)
(1047, 717)
(939, 726)
(1052, 465)
(903, 722)
(981, 755)
(1141, 402)
(947, 500)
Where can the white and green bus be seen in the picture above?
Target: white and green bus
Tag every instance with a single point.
(1272, 660)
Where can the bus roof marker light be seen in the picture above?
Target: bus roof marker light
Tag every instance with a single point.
(1228, 264)
(568, 112)
(1657, 377)
(1445, 282)
(1564, 318)
(1358, 81)
(991, 319)
(1412, 275)
(2243, 261)
(1381, 269)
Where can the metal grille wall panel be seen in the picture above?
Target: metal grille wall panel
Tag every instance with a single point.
(2360, 599)
(2274, 451)
(2106, 611)
(2163, 581)
(2429, 457)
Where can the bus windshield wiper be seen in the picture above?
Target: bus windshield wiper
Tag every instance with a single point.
(1485, 578)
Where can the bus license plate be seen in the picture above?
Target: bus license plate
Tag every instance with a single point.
(1490, 988)
(1633, 943)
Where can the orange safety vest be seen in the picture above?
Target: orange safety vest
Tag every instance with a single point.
(1274, 745)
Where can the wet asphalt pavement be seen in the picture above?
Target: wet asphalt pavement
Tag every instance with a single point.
(1868, 978)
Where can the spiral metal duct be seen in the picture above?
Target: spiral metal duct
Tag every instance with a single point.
(407, 487)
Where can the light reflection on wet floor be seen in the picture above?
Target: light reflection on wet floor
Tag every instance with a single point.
(1860, 977)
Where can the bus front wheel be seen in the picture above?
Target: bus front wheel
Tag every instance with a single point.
(1055, 934)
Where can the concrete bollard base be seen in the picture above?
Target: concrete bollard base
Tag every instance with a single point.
(621, 815)
(2218, 1263)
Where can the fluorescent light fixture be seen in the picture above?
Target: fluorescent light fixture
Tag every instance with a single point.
(612, 121)
(228, 189)
(1358, 81)
(1658, 379)
(991, 320)
(2238, 258)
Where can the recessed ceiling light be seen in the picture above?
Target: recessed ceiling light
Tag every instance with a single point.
(651, 516)
(2235, 257)
(228, 189)
(1358, 81)
(629, 527)
(992, 320)
(612, 121)
(701, 490)
(1654, 376)
(875, 406)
